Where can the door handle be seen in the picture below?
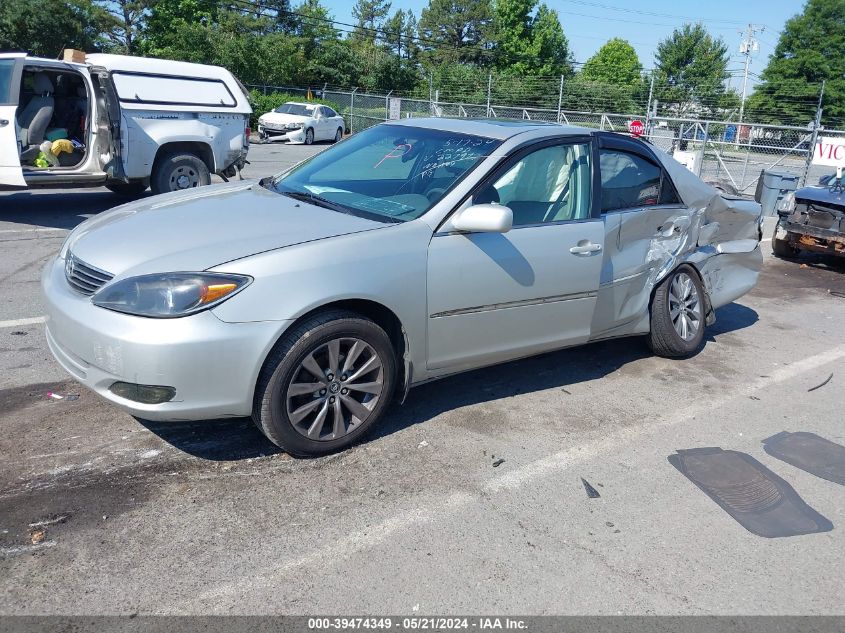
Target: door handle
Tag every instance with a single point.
(585, 247)
(3, 123)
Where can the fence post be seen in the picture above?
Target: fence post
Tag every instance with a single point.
(431, 93)
(489, 90)
(352, 110)
(559, 98)
(387, 106)
(436, 100)
(325, 85)
(813, 139)
(648, 106)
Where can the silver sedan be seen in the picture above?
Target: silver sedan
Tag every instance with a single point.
(409, 251)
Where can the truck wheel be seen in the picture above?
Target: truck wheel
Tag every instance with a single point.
(677, 314)
(174, 172)
(782, 248)
(127, 189)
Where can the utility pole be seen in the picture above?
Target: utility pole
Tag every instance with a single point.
(748, 46)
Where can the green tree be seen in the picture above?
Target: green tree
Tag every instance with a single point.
(314, 25)
(370, 16)
(616, 62)
(550, 46)
(400, 33)
(529, 44)
(45, 27)
(123, 30)
(692, 67)
(456, 30)
(811, 49)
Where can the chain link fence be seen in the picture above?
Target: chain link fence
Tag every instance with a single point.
(727, 152)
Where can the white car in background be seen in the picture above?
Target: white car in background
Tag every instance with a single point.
(301, 123)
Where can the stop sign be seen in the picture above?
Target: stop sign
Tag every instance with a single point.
(636, 127)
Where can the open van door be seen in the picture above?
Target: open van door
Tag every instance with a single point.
(11, 65)
(106, 92)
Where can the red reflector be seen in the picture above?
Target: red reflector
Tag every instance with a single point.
(248, 132)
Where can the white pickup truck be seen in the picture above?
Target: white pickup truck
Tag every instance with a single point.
(123, 122)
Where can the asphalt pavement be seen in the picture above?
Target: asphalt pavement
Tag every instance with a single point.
(468, 499)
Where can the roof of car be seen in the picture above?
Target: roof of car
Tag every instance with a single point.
(491, 128)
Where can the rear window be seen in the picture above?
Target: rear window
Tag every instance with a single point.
(169, 90)
(7, 66)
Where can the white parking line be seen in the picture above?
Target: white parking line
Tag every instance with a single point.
(543, 467)
(21, 322)
(42, 230)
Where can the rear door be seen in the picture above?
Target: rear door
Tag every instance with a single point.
(646, 225)
(10, 82)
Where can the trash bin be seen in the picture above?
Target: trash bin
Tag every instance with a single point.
(772, 187)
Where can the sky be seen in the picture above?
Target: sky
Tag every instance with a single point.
(590, 23)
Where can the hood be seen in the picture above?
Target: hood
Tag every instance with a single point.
(829, 196)
(198, 229)
(279, 117)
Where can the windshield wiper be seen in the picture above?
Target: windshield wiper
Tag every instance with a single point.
(305, 196)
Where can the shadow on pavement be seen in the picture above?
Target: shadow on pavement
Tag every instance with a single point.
(238, 438)
(57, 209)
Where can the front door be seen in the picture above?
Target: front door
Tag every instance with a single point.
(497, 296)
(10, 81)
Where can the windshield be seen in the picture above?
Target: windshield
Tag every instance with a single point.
(295, 108)
(390, 173)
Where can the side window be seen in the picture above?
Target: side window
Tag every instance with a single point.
(628, 181)
(7, 68)
(329, 112)
(551, 184)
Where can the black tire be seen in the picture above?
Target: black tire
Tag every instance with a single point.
(128, 189)
(338, 136)
(309, 136)
(270, 407)
(782, 248)
(170, 169)
(664, 340)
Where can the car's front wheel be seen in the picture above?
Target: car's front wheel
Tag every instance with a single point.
(677, 314)
(309, 136)
(326, 384)
(782, 248)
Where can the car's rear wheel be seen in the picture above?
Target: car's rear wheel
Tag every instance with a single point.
(174, 172)
(338, 136)
(677, 314)
(326, 384)
(309, 136)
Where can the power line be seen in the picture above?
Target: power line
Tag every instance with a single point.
(651, 13)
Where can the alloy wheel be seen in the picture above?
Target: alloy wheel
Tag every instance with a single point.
(335, 389)
(684, 306)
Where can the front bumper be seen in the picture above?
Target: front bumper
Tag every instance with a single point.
(276, 134)
(815, 239)
(212, 365)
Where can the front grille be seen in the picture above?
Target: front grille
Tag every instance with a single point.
(84, 277)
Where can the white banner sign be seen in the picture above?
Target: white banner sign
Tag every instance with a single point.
(395, 108)
(830, 151)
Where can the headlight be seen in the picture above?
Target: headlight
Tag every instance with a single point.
(169, 295)
(786, 205)
(293, 126)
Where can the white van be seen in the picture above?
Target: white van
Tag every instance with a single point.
(123, 122)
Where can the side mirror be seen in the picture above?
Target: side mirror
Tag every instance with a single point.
(484, 218)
